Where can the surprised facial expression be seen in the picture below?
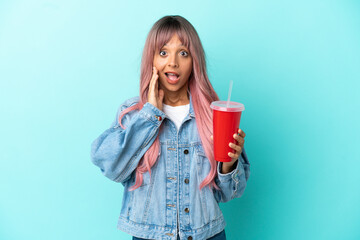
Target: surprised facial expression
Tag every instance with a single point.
(174, 64)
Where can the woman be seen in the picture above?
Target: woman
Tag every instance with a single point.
(160, 145)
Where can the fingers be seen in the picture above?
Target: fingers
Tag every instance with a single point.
(233, 155)
(153, 81)
(155, 72)
(241, 133)
(239, 139)
(237, 148)
(236, 137)
(153, 88)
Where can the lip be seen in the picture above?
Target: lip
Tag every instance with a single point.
(172, 72)
(172, 81)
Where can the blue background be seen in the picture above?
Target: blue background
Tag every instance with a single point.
(65, 66)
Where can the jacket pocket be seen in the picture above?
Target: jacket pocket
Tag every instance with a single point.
(141, 200)
(200, 155)
(209, 204)
(146, 179)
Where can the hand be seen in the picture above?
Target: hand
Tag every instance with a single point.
(239, 137)
(155, 95)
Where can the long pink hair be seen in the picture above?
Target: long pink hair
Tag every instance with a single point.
(202, 92)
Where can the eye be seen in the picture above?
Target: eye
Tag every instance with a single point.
(184, 53)
(162, 53)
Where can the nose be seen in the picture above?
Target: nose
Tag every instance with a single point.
(173, 62)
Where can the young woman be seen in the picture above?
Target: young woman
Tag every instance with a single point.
(160, 144)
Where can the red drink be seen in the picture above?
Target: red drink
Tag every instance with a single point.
(226, 122)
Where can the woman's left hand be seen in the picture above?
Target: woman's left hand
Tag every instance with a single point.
(239, 137)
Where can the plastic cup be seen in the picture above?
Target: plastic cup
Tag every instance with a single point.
(226, 121)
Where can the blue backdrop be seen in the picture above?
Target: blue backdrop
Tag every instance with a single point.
(65, 66)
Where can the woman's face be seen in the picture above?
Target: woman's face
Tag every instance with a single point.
(174, 64)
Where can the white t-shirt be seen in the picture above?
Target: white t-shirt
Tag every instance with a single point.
(176, 114)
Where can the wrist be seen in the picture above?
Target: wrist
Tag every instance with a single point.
(228, 167)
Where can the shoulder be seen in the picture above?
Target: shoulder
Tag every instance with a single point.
(131, 101)
(128, 103)
(122, 109)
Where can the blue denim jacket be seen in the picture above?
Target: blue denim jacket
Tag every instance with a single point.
(169, 203)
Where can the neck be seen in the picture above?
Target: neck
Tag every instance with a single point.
(176, 99)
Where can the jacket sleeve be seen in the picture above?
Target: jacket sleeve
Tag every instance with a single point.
(118, 151)
(232, 185)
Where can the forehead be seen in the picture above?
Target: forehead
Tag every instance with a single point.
(174, 42)
(168, 37)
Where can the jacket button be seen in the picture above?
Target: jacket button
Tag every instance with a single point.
(186, 151)
(186, 181)
(158, 117)
(190, 238)
(187, 210)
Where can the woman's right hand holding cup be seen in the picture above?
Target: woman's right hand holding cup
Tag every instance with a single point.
(155, 95)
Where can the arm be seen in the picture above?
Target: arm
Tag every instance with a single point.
(118, 151)
(232, 184)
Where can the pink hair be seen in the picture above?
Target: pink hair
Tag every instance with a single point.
(201, 90)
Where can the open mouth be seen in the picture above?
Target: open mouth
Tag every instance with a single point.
(172, 77)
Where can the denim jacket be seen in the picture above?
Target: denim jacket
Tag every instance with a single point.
(169, 203)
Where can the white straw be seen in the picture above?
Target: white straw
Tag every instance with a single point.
(229, 94)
